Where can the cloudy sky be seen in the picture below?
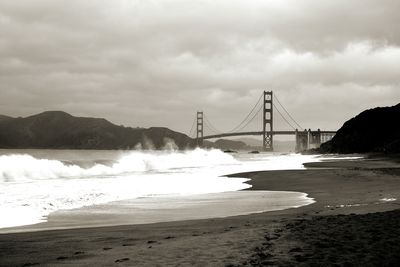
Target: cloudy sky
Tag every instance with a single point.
(155, 62)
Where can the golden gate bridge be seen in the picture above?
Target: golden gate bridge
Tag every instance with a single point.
(265, 105)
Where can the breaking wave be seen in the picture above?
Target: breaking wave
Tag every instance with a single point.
(26, 167)
(31, 188)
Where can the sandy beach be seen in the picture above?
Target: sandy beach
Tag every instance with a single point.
(352, 223)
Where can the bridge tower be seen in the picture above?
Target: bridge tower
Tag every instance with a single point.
(199, 131)
(268, 122)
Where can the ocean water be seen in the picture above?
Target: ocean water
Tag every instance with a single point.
(36, 183)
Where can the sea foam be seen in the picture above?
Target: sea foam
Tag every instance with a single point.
(31, 187)
(26, 167)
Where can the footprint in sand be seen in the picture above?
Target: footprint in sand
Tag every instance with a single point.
(295, 250)
(122, 260)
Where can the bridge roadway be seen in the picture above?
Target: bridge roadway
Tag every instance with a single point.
(260, 133)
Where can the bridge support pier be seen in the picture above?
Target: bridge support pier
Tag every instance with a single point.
(325, 137)
(199, 129)
(308, 139)
(302, 139)
(315, 139)
(268, 142)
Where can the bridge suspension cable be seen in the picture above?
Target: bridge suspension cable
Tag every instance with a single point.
(294, 128)
(210, 126)
(255, 114)
(248, 115)
(256, 109)
(191, 132)
(276, 98)
(210, 130)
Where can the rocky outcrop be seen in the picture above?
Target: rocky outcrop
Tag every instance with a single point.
(373, 130)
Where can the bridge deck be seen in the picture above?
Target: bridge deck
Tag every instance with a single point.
(259, 133)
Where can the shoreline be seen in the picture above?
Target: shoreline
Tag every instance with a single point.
(270, 238)
(163, 209)
(43, 210)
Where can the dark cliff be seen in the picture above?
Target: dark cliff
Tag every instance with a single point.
(373, 130)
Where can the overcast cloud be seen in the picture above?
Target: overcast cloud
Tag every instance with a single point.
(155, 62)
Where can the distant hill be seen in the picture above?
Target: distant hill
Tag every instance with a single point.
(60, 130)
(230, 144)
(373, 130)
(250, 144)
(279, 145)
(253, 142)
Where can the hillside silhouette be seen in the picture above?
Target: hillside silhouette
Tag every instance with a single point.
(60, 130)
(373, 130)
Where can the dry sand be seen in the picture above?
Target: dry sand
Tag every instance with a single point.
(349, 225)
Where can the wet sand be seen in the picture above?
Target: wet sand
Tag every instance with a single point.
(350, 224)
(168, 209)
